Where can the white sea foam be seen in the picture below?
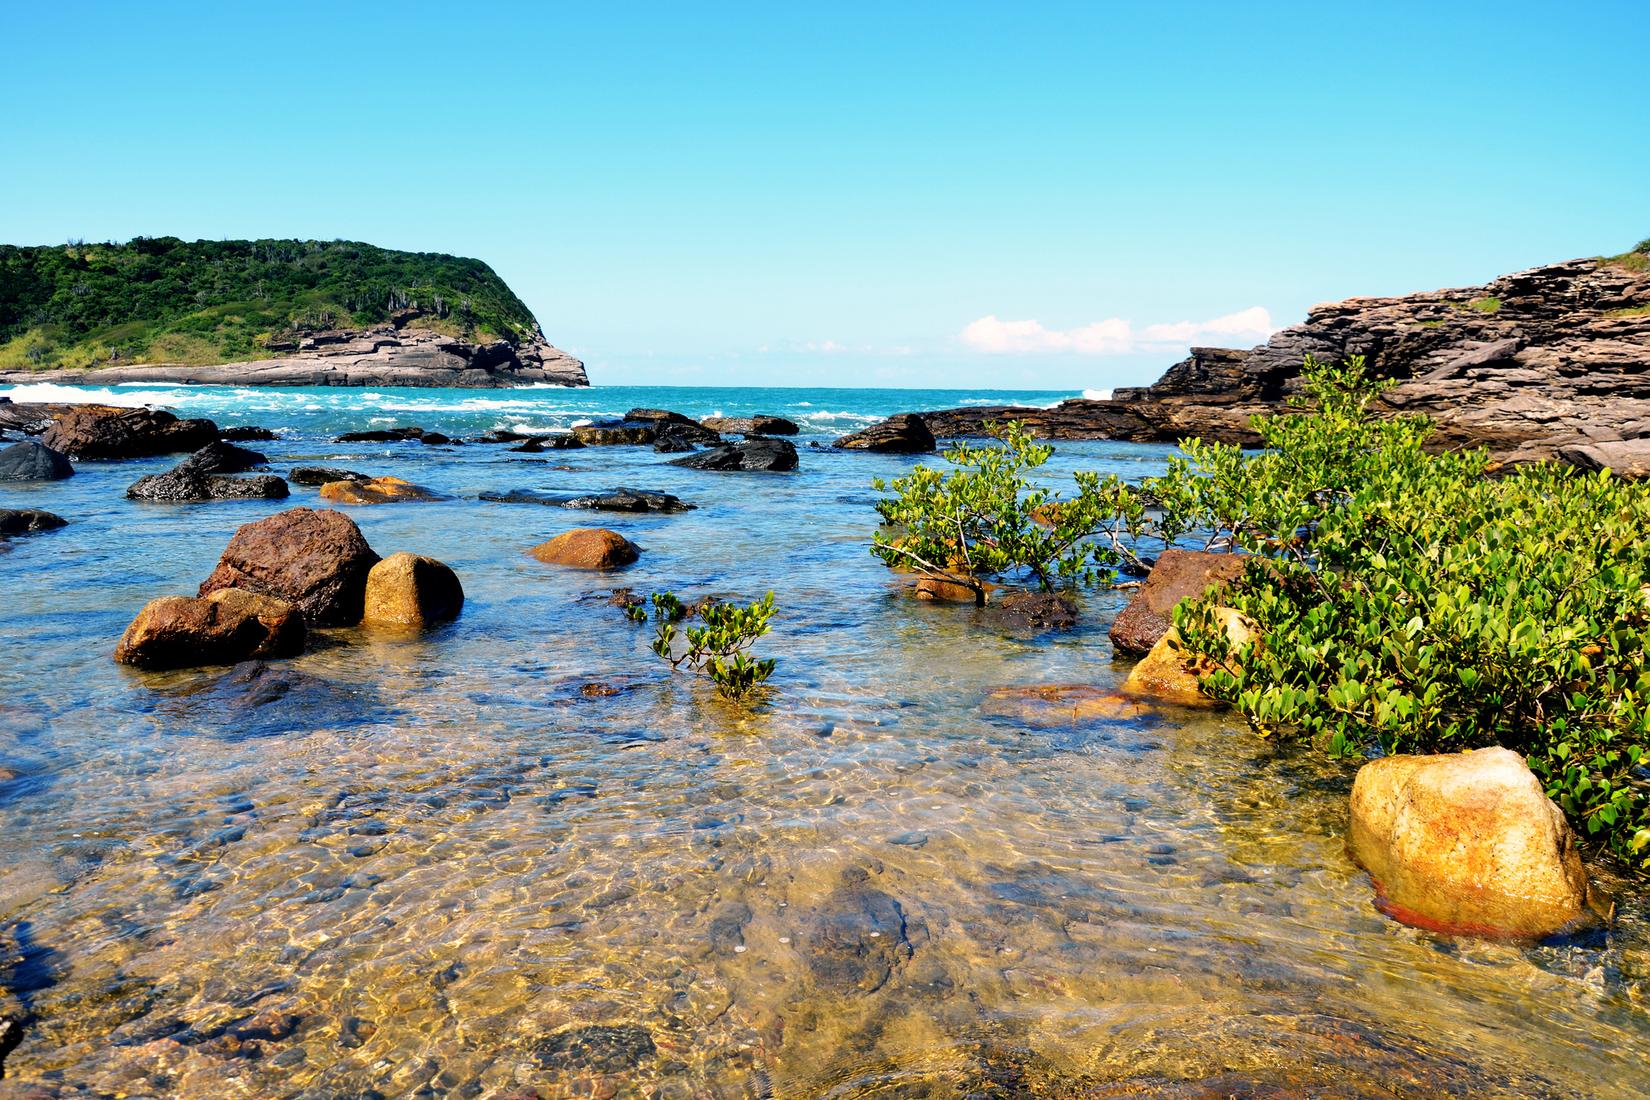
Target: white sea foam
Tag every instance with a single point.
(1097, 395)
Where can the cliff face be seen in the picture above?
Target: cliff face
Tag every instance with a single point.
(1550, 362)
(384, 356)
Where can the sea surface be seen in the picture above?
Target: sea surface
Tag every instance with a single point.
(442, 866)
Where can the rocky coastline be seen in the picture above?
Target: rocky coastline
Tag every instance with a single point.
(1549, 363)
(382, 356)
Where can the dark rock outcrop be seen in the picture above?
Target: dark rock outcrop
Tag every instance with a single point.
(614, 500)
(317, 561)
(204, 475)
(320, 475)
(903, 433)
(248, 433)
(751, 454)
(384, 435)
(383, 356)
(32, 461)
(1553, 362)
(26, 521)
(617, 433)
(1178, 575)
(219, 457)
(225, 628)
(104, 431)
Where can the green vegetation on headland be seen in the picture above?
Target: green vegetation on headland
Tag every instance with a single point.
(1405, 601)
(1635, 259)
(163, 300)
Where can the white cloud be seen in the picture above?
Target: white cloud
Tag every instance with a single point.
(1114, 336)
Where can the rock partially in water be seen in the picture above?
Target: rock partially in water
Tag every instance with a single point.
(185, 485)
(26, 521)
(613, 500)
(219, 457)
(856, 939)
(1035, 611)
(587, 548)
(750, 454)
(952, 590)
(598, 1048)
(1178, 575)
(321, 475)
(1467, 842)
(383, 435)
(378, 490)
(102, 431)
(248, 433)
(316, 560)
(224, 628)
(904, 433)
(751, 425)
(33, 461)
(1053, 705)
(616, 433)
(411, 591)
(1174, 676)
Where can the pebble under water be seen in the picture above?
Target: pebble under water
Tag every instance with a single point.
(448, 866)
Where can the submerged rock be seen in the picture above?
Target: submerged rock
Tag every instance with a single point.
(904, 433)
(749, 454)
(1170, 674)
(1467, 842)
(378, 490)
(408, 590)
(32, 461)
(614, 500)
(587, 548)
(856, 939)
(598, 1048)
(224, 628)
(26, 521)
(1178, 575)
(102, 431)
(1047, 706)
(316, 560)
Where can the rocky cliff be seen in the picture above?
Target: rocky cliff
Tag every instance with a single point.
(1550, 362)
(382, 356)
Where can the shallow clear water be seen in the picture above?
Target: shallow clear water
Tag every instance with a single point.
(435, 867)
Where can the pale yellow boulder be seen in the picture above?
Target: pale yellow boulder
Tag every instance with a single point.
(1168, 673)
(410, 590)
(1467, 843)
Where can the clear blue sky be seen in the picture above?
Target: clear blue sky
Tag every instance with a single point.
(1046, 196)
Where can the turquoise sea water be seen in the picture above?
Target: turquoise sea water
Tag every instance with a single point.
(438, 866)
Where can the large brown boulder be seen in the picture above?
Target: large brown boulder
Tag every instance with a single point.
(903, 433)
(316, 560)
(103, 431)
(1467, 843)
(587, 548)
(378, 490)
(1171, 674)
(751, 425)
(225, 628)
(408, 590)
(1178, 575)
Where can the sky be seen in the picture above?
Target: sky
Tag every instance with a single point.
(1042, 196)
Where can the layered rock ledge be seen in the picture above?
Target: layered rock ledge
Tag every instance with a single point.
(1553, 362)
(385, 356)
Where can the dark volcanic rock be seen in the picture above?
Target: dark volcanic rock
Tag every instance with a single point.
(905, 433)
(26, 521)
(218, 457)
(751, 425)
(614, 500)
(320, 475)
(679, 438)
(315, 560)
(749, 454)
(248, 433)
(384, 435)
(186, 486)
(1178, 575)
(31, 461)
(102, 431)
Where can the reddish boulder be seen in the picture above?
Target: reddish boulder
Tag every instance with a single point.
(587, 548)
(316, 560)
(225, 628)
(103, 431)
(1178, 575)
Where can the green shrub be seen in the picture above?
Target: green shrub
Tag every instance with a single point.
(721, 647)
(1413, 602)
(986, 517)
